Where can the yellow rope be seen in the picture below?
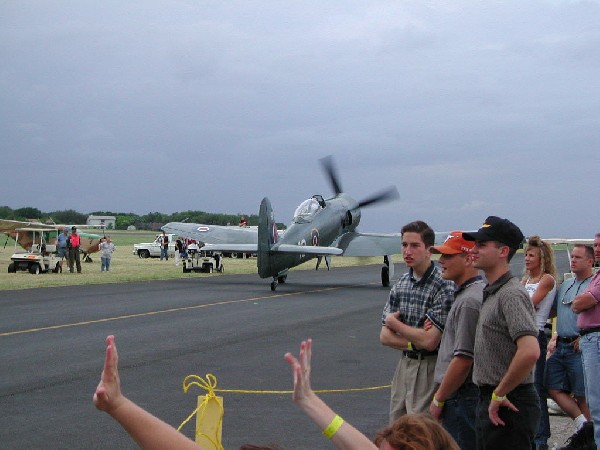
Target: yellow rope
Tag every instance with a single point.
(210, 385)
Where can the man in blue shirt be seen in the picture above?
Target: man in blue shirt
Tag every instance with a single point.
(61, 245)
(564, 369)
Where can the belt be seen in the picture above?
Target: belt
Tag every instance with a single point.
(419, 355)
(487, 390)
(567, 339)
(584, 331)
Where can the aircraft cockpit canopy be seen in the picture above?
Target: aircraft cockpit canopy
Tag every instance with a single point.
(307, 210)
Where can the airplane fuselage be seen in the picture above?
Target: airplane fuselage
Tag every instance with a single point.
(341, 214)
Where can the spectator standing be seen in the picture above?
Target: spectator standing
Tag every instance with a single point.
(540, 283)
(564, 378)
(179, 250)
(506, 347)
(164, 246)
(62, 241)
(106, 248)
(420, 294)
(73, 246)
(455, 400)
(588, 322)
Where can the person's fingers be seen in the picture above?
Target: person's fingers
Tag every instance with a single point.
(509, 404)
(110, 360)
(495, 418)
(291, 359)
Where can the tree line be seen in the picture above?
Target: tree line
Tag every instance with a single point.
(150, 221)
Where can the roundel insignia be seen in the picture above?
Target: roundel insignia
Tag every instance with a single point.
(314, 237)
(203, 228)
(274, 233)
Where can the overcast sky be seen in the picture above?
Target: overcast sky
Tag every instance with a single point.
(472, 108)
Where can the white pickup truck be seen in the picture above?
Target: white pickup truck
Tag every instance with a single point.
(152, 249)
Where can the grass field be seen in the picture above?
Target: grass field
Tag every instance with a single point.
(127, 267)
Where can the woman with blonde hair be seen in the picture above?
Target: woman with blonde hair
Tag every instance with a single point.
(540, 282)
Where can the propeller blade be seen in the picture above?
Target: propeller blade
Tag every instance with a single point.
(329, 169)
(386, 195)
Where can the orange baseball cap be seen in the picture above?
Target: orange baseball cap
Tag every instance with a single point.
(455, 243)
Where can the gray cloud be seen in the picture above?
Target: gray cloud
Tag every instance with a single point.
(471, 108)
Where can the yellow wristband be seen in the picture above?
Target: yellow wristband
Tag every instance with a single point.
(409, 345)
(437, 403)
(333, 427)
(497, 398)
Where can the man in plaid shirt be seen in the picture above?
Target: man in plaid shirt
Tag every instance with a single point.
(420, 294)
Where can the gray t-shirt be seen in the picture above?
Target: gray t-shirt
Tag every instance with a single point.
(506, 314)
(459, 332)
(107, 248)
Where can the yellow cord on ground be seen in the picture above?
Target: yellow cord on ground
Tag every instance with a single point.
(210, 385)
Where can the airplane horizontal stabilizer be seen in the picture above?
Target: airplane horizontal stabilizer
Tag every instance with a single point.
(306, 249)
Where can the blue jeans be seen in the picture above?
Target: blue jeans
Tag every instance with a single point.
(543, 432)
(590, 356)
(164, 253)
(460, 412)
(521, 426)
(105, 263)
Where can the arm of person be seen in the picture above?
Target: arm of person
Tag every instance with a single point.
(455, 376)
(346, 437)
(546, 285)
(391, 339)
(148, 431)
(582, 302)
(419, 337)
(527, 354)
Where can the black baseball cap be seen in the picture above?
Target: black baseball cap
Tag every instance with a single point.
(498, 229)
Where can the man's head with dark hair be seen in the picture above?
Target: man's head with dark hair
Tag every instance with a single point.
(424, 230)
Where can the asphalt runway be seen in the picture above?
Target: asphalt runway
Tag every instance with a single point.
(232, 326)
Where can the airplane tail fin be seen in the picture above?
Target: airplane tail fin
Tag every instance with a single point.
(267, 236)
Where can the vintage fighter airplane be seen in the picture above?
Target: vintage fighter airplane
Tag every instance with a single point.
(89, 241)
(320, 228)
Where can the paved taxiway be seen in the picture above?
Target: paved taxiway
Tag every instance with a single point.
(52, 349)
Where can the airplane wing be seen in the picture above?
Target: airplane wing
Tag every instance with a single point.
(368, 244)
(234, 248)
(559, 241)
(283, 248)
(376, 244)
(214, 234)
(306, 249)
(11, 225)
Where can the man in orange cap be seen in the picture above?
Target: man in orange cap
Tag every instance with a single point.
(455, 400)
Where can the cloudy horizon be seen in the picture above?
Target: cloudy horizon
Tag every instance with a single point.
(470, 108)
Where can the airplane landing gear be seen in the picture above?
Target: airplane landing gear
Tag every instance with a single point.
(385, 276)
(274, 284)
(385, 272)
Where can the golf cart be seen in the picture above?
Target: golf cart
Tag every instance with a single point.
(202, 261)
(40, 257)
